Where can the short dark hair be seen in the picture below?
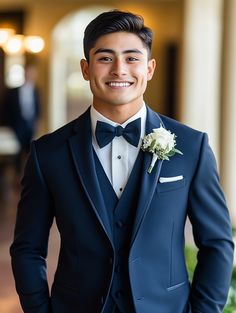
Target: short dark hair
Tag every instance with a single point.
(116, 21)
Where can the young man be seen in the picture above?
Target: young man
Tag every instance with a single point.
(121, 227)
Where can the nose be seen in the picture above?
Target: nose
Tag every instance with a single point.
(118, 68)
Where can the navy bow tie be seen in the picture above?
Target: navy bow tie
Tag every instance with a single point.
(105, 132)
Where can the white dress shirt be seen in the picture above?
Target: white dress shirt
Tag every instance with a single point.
(118, 157)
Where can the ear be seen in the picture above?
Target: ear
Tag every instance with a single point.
(84, 68)
(151, 68)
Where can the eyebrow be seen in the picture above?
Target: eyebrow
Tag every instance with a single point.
(104, 50)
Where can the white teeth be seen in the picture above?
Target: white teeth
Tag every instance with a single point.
(116, 84)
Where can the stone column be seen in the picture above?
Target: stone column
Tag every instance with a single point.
(201, 65)
(228, 143)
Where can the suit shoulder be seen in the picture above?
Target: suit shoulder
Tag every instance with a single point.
(179, 128)
(58, 136)
(58, 139)
(188, 140)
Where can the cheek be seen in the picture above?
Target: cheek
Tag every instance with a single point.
(100, 68)
(98, 74)
(95, 82)
(141, 73)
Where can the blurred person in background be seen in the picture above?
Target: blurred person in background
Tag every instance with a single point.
(121, 221)
(21, 112)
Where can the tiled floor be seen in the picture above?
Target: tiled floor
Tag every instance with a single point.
(9, 302)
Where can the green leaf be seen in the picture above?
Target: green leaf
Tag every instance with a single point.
(152, 145)
(178, 151)
(171, 153)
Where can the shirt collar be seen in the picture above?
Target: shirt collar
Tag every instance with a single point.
(96, 116)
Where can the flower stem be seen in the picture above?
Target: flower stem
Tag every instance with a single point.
(154, 159)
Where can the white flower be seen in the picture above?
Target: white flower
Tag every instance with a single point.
(164, 138)
(161, 143)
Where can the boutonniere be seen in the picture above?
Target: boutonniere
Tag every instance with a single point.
(161, 143)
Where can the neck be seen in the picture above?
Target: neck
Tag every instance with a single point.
(120, 113)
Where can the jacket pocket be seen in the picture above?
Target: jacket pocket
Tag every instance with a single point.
(171, 288)
(170, 186)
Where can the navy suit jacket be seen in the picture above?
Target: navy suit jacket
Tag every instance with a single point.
(60, 181)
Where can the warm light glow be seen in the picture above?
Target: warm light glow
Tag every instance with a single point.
(14, 45)
(34, 44)
(16, 76)
(17, 44)
(5, 34)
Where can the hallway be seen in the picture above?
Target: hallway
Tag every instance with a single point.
(9, 302)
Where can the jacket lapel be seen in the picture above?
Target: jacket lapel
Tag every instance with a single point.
(82, 153)
(148, 181)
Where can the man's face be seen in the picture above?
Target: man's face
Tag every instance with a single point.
(118, 70)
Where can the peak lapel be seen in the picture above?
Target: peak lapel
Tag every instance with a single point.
(82, 153)
(148, 181)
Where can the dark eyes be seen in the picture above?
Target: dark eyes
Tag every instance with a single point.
(109, 59)
(132, 59)
(105, 59)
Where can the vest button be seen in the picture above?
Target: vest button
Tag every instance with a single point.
(119, 224)
(118, 268)
(119, 294)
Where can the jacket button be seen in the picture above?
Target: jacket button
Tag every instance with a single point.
(139, 298)
(111, 261)
(119, 224)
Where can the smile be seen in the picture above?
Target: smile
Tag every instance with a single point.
(119, 84)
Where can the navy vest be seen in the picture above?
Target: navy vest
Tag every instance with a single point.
(121, 215)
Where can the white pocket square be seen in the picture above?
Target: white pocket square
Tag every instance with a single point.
(170, 179)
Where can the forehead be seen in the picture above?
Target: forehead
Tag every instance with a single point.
(119, 41)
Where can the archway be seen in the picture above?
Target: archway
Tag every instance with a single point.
(69, 92)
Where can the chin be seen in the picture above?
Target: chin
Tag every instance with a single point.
(121, 101)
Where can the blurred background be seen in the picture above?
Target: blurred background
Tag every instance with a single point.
(40, 51)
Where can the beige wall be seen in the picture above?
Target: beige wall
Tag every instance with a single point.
(165, 18)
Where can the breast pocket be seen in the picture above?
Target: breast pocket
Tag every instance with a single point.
(171, 186)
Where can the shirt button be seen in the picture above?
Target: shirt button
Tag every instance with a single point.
(119, 224)
(121, 189)
(119, 157)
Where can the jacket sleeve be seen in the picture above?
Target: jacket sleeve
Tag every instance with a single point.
(212, 232)
(29, 248)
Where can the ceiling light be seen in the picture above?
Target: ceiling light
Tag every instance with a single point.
(5, 34)
(14, 45)
(33, 44)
